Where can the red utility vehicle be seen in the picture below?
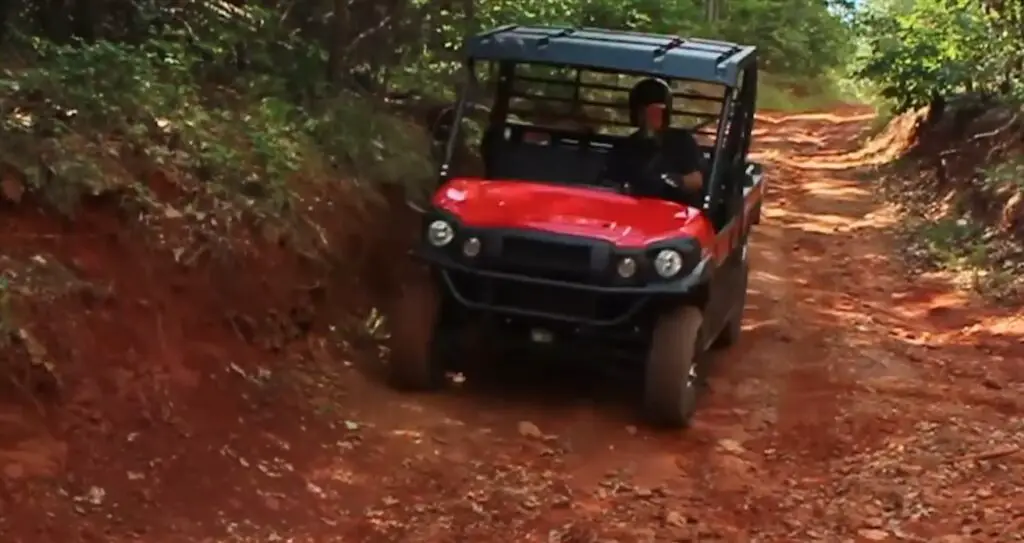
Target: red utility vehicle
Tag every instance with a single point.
(538, 247)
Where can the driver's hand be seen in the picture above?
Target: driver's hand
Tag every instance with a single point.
(694, 182)
(654, 169)
(691, 183)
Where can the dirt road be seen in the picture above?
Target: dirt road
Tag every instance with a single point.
(860, 405)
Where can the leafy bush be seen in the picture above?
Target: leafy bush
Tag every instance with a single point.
(922, 51)
(78, 115)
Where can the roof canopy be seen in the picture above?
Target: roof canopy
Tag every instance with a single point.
(659, 55)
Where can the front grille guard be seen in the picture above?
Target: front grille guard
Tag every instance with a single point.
(630, 311)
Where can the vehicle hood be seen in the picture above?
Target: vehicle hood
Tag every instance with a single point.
(580, 211)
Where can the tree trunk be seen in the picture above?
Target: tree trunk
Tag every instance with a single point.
(339, 36)
(86, 15)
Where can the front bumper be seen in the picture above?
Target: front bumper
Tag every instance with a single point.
(528, 297)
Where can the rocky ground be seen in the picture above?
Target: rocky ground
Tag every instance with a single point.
(862, 404)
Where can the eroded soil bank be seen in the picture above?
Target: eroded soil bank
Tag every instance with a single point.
(861, 404)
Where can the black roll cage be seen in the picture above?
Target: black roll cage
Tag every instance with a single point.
(729, 125)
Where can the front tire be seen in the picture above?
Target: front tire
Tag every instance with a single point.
(670, 381)
(419, 347)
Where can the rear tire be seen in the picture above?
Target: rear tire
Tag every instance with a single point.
(670, 380)
(420, 349)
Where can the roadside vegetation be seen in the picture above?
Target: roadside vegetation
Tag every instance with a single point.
(244, 101)
(958, 66)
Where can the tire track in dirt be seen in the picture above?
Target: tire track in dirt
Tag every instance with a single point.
(864, 363)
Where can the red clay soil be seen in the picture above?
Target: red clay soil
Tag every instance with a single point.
(859, 405)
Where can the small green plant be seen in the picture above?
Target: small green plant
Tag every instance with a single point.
(977, 257)
(1008, 173)
(952, 241)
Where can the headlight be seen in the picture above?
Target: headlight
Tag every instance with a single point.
(471, 247)
(440, 233)
(626, 268)
(668, 263)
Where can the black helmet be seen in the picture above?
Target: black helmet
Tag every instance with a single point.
(646, 92)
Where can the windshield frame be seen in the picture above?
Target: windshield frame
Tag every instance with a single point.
(502, 95)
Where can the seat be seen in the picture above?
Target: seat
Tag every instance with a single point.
(558, 159)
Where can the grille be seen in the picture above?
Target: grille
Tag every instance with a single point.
(542, 298)
(546, 299)
(540, 258)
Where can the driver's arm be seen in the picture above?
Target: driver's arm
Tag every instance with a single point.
(688, 163)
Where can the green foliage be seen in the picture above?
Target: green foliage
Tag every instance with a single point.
(87, 117)
(951, 238)
(977, 257)
(920, 51)
(380, 147)
(799, 93)
(795, 37)
(1007, 174)
(107, 105)
(243, 99)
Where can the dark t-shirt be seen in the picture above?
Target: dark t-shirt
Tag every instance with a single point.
(640, 161)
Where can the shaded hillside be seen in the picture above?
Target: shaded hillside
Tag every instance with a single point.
(960, 180)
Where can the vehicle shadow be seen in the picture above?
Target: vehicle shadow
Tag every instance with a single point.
(549, 382)
(558, 384)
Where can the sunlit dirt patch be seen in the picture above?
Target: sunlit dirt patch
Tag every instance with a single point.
(851, 114)
(853, 154)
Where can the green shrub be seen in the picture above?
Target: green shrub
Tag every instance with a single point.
(106, 105)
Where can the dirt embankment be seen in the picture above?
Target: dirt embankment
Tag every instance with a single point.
(127, 334)
(958, 177)
(168, 385)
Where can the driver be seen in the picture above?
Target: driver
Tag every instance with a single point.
(651, 161)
